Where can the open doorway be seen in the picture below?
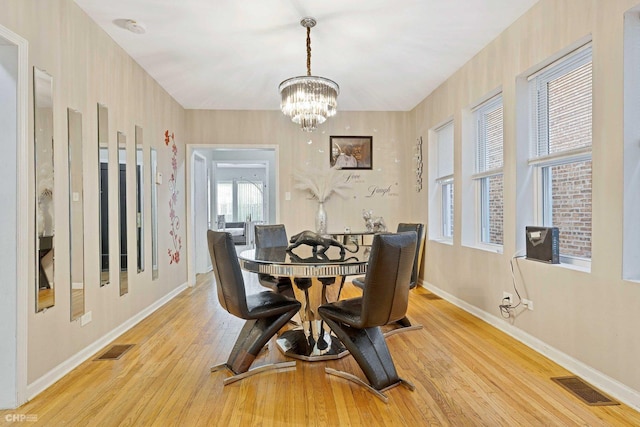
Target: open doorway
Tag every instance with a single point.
(240, 189)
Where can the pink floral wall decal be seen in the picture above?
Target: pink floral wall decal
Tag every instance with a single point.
(174, 253)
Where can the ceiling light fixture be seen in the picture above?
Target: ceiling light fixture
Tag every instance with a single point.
(309, 100)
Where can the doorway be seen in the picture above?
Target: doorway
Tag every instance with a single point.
(214, 155)
(16, 223)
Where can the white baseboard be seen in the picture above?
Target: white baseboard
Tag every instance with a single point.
(605, 383)
(48, 379)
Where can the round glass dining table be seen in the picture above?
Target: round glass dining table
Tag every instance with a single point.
(320, 277)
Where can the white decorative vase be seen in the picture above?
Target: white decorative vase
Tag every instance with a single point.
(321, 219)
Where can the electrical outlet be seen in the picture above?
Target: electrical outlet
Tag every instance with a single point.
(527, 303)
(507, 298)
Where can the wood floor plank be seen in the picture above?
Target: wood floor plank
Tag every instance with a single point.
(466, 372)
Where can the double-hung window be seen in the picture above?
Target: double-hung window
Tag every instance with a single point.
(488, 175)
(561, 129)
(441, 177)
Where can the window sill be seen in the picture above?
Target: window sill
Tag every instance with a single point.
(495, 249)
(575, 267)
(443, 241)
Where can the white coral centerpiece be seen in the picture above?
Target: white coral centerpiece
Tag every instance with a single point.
(322, 184)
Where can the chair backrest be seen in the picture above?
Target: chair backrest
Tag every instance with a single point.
(385, 297)
(419, 229)
(226, 268)
(270, 236)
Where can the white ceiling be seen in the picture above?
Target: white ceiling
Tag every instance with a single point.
(386, 55)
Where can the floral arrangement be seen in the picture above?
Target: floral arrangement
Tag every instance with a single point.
(322, 184)
(174, 254)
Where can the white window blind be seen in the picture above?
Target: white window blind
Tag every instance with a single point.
(562, 97)
(445, 151)
(490, 135)
(250, 200)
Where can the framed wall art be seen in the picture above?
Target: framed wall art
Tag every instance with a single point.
(351, 152)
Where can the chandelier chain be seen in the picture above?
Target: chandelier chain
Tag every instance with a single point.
(308, 51)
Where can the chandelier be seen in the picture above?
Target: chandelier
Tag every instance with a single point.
(309, 100)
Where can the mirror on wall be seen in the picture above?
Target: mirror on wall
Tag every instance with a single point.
(76, 213)
(44, 207)
(122, 209)
(103, 182)
(139, 200)
(154, 213)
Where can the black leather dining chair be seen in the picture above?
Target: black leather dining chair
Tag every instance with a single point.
(265, 312)
(385, 298)
(272, 236)
(405, 324)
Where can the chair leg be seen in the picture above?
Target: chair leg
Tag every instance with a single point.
(252, 338)
(353, 378)
(251, 372)
(378, 393)
(369, 348)
(402, 325)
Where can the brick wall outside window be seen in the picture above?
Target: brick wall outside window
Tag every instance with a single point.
(571, 207)
(496, 211)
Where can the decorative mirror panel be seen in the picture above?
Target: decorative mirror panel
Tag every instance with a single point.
(103, 212)
(154, 213)
(76, 213)
(139, 199)
(122, 208)
(44, 207)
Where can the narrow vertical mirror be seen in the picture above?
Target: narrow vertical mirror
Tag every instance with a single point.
(154, 214)
(43, 166)
(76, 213)
(139, 199)
(103, 180)
(122, 209)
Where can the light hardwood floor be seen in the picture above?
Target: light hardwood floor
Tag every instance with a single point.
(466, 373)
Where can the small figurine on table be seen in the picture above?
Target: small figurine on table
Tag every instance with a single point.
(373, 224)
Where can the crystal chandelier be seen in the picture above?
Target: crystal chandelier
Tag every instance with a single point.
(309, 100)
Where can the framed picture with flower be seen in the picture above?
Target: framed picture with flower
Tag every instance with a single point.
(350, 152)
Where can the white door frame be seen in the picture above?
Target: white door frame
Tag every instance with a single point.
(191, 269)
(25, 228)
(198, 187)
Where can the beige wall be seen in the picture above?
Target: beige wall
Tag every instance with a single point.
(87, 68)
(591, 317)
(392, 161)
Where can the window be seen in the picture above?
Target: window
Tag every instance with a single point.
(224, 191)
(240, 200)
(441, 182)
(250, 202)
(488, 177)
(560, 152)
